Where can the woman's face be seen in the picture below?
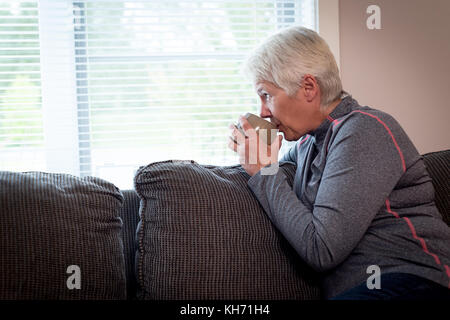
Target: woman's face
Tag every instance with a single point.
(294, 116)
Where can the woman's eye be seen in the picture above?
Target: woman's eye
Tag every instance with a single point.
(266, 96)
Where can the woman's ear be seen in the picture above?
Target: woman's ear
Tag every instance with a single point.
(310, 88)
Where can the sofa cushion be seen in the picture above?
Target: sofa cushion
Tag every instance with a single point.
(203, 235)
(57, 233)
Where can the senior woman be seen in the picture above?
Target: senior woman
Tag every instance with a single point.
(362, 199)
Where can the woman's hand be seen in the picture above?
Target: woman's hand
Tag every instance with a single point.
(253, 153)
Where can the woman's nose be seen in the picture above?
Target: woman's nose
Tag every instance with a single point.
(265, 112)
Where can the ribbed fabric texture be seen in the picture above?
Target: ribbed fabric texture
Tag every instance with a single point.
(203, 235)
(130, 216)
(49, 222)
(438, 167)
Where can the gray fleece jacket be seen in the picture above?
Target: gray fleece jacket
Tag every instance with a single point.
(361, 197)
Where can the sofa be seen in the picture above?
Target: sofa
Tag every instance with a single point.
(185, 232)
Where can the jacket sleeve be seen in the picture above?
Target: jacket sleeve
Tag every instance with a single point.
(362, 168)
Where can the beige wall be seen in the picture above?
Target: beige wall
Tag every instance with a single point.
(404, 68)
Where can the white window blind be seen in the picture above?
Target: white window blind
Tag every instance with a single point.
(120, 84)
(21, 122)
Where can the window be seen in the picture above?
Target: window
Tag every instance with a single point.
(21, 120)
(102, 87)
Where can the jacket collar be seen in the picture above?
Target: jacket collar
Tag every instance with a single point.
(344, 107)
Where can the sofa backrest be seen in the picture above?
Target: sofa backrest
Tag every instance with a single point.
(438, 167)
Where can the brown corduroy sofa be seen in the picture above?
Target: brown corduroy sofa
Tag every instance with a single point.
(123, 261)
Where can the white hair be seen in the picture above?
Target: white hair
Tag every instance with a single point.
(288, 55)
